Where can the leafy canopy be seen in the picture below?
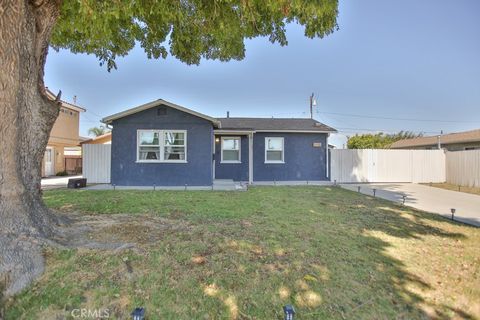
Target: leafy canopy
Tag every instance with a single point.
(379, 140)
(191, 29)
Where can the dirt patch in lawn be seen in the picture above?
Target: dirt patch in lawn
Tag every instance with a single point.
(136, 230)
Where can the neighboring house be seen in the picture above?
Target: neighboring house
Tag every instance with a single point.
(102, 139)
(466, 140)
(164, 144)
(64, 134)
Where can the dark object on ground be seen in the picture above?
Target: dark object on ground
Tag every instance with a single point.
(289, 311)
(77, 183)
(138, 314)
(62, 174)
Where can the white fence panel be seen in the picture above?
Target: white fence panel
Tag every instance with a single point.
(463, 168)
(428, 166)
(380, 165)
(96, 162)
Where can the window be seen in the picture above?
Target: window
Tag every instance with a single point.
(231, 150)
(161, 146)
(174, 145)
(274, 150)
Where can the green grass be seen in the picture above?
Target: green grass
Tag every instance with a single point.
(332, 253)
(453, 187)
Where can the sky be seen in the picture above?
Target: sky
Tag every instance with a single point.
(392, 65)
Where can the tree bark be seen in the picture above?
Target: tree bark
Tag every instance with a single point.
(26, 119)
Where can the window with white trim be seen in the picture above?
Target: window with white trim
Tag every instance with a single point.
(161, 145)
(231, 150)
(274, 152)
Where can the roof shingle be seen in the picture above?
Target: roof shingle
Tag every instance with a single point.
(294, 124)
(458, 137)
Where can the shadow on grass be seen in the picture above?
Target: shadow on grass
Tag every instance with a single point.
(332, 253)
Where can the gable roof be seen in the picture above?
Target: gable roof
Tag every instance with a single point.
(275, 124)
(458, 137)
(103, 138)
(65, 104)
(156, 103)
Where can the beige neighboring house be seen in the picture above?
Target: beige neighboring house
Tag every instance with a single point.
(64, 137)
(103, 139)
(459, 141)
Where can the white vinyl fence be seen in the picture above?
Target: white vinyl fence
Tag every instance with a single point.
(463, 168)
(377, 165)
(96, 162)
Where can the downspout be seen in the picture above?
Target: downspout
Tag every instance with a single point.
(250, 158)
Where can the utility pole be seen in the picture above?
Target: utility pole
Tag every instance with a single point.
(313, 103)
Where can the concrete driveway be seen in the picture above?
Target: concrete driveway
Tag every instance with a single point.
(56, 182)
(427, 198)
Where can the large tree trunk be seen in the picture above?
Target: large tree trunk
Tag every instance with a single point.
(26, 119)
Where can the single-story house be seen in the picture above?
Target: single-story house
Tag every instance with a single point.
(164, 144)
(459, 141)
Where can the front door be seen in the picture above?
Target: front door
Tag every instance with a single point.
(48, 159)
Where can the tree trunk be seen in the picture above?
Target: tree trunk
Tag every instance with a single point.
(26, 119)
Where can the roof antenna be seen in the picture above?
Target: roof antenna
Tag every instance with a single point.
(313, 103)
(75, 99)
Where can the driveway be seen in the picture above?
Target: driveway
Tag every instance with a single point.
(427, 198)
(56, 182)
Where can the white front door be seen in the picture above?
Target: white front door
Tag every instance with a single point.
(48, 159)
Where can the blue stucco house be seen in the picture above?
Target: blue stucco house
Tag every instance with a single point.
(164, 144)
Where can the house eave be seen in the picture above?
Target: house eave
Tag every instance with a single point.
(233, 131)
(297, 131)
(64, 103)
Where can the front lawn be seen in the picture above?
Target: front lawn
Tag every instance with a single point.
(332, 253)
(453, 187)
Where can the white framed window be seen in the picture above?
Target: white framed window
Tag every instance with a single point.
(274, 150)
(231, 150)
(161, 146)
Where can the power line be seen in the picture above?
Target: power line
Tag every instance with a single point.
(393, 118)
(368, 116)
(354, 130)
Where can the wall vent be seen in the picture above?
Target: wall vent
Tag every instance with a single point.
(162, 111)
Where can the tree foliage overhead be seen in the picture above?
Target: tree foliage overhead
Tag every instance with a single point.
(379, 140)
(189, 29)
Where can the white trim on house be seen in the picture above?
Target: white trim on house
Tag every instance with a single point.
(283, 151)
(239, 150)
(326, 157)
(214, 160)
(250, 158)
(146, 106)
(232, 132)
(242, 132)
(294, 131)
(65, 104)
(161, 145)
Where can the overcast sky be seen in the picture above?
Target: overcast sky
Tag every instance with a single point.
(393, 65)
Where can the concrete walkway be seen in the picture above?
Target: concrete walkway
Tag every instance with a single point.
(426, 198)
(218, 185)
